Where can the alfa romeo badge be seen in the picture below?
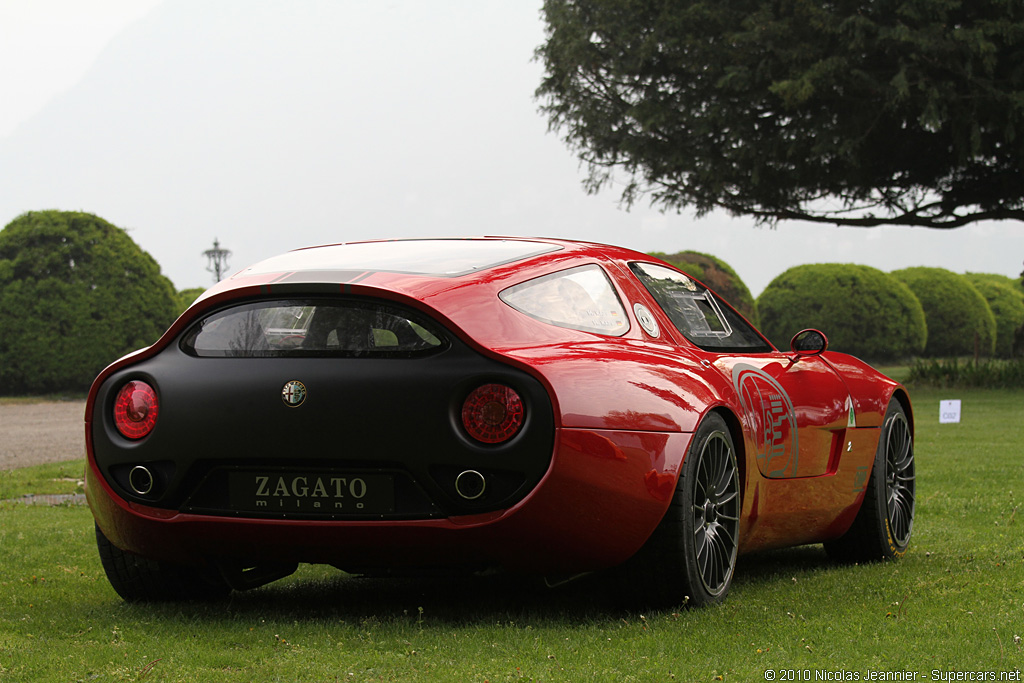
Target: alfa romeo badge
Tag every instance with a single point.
(293, 393)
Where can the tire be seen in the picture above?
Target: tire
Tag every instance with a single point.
(691, 556)
(138, 579)
(882, 528)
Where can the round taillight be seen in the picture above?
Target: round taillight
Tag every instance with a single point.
(493, 413)
(136, 410)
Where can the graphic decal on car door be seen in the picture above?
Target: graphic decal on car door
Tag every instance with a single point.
(768, 405)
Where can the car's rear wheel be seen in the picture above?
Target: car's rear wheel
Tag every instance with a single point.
(691, 556)
(882, 528)
(138, 579)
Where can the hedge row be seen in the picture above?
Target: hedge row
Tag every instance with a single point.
(862, 310)
(929, 312)
(1006, 301)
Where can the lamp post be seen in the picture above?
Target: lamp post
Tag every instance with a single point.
(218, 260)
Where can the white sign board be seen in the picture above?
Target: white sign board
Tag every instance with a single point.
(949, 411)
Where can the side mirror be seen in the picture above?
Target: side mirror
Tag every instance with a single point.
(809, 343)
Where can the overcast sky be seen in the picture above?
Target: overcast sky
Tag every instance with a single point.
(277, 124)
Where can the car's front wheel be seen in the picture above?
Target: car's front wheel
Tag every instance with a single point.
(691, 556)
(882, 528)
(138, 579)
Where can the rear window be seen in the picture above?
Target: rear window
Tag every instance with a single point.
(347, 328)
(578, 298)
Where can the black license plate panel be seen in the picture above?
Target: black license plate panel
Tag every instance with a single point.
(312, 493)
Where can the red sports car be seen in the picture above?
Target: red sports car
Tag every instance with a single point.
(466, 405)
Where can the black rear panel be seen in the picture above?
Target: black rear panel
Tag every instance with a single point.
(376, 436)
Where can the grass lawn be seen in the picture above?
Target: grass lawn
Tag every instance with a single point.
(954, 603)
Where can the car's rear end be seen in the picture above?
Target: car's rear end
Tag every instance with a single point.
(318, 409)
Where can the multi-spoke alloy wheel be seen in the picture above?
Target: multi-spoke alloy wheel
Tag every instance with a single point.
(716, 517)
(899, 478)
(883, 526)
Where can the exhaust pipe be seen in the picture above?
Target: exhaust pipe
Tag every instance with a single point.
(470, 485)
(141, 480)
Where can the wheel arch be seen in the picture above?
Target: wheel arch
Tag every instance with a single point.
(900, 395)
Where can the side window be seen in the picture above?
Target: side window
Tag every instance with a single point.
(579, 298)
(697, 313)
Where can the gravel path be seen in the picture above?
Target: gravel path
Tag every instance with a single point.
(36, 433)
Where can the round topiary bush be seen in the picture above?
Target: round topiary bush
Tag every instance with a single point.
(862, 310)
(960, 322)
(1006, 302)
(75, 294)
(717, 275)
